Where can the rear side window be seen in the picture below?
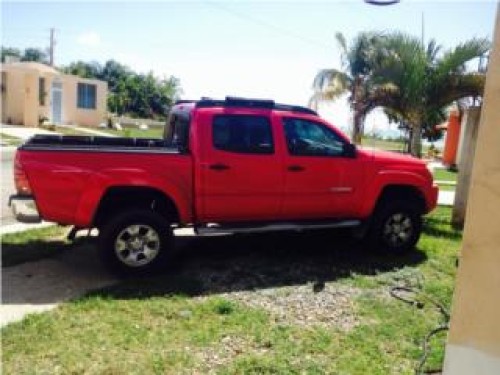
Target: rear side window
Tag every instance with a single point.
(176, 132)
(244, 134)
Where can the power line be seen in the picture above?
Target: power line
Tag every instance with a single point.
(268, 25)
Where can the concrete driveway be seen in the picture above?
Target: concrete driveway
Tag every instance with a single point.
(39, 286)
(22, 132)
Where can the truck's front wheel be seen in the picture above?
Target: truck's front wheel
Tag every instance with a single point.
(396, 227)
(135, 242)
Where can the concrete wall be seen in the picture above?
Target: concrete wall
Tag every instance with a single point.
(465, 159)
(474, 340)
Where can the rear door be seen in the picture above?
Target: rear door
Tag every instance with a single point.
(241, 174)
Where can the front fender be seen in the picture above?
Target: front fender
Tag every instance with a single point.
(387, 178)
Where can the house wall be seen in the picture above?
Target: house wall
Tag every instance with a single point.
(30, 110)
(3, 96)
(474, 341)
(82, 116)
(13, 97)
(21, 104)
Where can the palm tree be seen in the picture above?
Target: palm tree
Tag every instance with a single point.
(415, 83)
(353, 78)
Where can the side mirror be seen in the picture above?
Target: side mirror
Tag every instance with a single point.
(350, 150)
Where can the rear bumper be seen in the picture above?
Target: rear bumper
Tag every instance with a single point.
(24, 209)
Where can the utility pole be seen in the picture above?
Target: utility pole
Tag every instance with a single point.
(423, 30)
(51, 47)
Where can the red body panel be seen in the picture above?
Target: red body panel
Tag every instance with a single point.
(68, 185)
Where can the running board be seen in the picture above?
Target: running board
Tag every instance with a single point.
(274, 227)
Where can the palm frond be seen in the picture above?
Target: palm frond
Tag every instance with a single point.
(331, 83)
(433, 50)
(363, 52)
(314, 100)
(386, 95)
(455, 87)
(454, 60)
(339, 37)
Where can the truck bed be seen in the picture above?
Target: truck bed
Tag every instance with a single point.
(69, 175)
(99, 144)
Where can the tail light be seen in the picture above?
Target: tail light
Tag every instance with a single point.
(20, 179)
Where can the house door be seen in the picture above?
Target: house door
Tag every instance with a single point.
(56, 102)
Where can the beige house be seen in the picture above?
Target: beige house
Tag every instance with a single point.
(32, 92)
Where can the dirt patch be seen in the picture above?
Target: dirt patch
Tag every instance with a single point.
(299, 305)
(331, 307)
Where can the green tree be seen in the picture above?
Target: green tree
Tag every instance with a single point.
(139, 95)
(84, 69)
(9, 51)
(35, 54)
(115, 73)
(353, 78)
(416, 83)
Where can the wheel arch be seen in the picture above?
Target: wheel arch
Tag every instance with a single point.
(118, 198)
(408, 193)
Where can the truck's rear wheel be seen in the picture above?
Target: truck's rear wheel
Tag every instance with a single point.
(396, 227)
(135, 242)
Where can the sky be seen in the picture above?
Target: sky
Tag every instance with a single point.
(259, 49)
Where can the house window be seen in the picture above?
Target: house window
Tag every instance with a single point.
(41, 91)
(86, 97)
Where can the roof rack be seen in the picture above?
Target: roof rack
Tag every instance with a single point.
(232, 101)
(184, 101)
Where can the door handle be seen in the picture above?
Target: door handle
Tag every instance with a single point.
(295, 168)
(218, 167)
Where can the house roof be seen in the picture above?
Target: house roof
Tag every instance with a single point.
(33, 66)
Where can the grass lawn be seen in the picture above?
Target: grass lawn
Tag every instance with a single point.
(442, 174)
(33, 245)
(383, 144)
(388, 145)
(447, 187)
(156, 132)
(10, 140)
(231, 305)
(69, 131)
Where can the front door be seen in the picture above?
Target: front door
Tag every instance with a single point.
(241, 176)
(319, 179)
(56, 102)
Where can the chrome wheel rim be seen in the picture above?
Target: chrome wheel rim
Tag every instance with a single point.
(137, 245)
(398, 229)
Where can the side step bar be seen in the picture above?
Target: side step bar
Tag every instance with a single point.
(274, 227)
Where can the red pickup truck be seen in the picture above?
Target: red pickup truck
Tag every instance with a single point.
(233, 165)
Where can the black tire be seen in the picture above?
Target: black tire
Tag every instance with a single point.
(135, 242)
(396, 227)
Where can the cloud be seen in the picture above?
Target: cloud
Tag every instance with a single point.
(89, 39)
